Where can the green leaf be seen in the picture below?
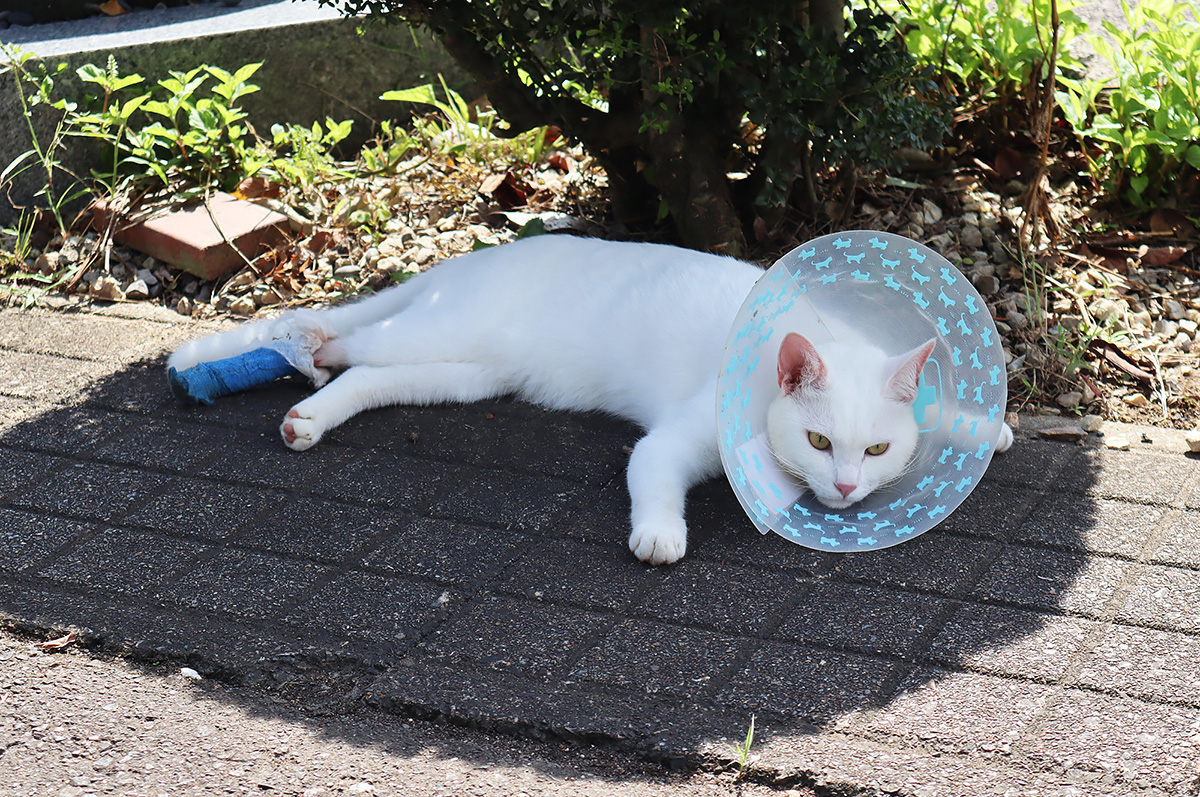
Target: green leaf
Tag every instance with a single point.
(1192, 156)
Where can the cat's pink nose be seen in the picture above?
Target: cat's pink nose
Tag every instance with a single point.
(846, 489)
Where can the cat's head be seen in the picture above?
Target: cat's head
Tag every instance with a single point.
(843, 422)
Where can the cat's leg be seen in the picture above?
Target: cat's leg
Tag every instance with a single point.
(1005, 440)
(365, 387)
(663, 466)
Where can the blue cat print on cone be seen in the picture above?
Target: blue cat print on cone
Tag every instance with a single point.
(894, 290)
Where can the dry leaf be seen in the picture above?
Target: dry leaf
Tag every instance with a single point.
(1009, 163)
(57, 644)
(1170, 220)
(1161, 255)
(114, 7)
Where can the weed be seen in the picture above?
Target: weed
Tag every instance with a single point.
(741, 750)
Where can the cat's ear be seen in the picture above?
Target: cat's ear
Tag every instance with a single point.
(902, 384)
(799, 364)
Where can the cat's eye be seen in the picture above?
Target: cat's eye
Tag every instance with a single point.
(877, 449)
(818, 440)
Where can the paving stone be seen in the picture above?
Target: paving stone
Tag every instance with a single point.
(163, 444)
(312, 528)
(738, 600)
(509, 634)
(603, 519)
(123, 560)
(24, 469)
(27, 538)
(1030, 464)
(46, 378)
(80, 337)
(861, 617)
(261, 458)
(15, 413)
(386, 479)
(960, 712)
(934, 562)
(136, 388)
(1167, 597)
(1131, 475)
(1144, 745)
(246, 583)
(260, 410)
(1012, 642)
(594, 576)
(92, 490)
(71, 430)
(518, 501)
(445, 551)
(658, 658)
(719, 531)
(378, 609)
(1073, 583)
(1098, 525)
(204, 508)
(1180, 540)
(993, 509)
(1143, 662)
(809, 684)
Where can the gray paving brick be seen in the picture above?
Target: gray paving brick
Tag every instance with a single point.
(1180, 540)
(81, 337)
(1098, 525)
(137, 388)
(259, 410)
(159, 444)
(27, 538)
(807, 683)
(205, 508)
(377, 609)
(1074, 583)
(123, 560)
(45, 378)
(934, 561)
(92, 490)
(656, 658)
(1144, 745)
(69, 430)
(15, 412)
(383, 478)
(1142, 662)
(960, 712)
(737, 600)
(861, 617)
(1011, 642)
(993, 509)
(1168, 597)
(312, 528)
(258, 456)
(1131, 475)
(519, 501)
(22, 470)
(446, 551)
(509, 634)
(246, 583)
(599, 576)
(1031, 464)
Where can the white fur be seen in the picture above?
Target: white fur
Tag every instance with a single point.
(578, 324)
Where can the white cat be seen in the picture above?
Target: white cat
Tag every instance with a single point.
(633, 329)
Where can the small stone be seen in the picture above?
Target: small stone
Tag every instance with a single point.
(242, 305)
(1105, 309)
(1192, 439)
(146, 276)
(137, 290)
(1168, 329)
(931, 214)
(49, 262)
(1174, 309)
(1117, 444)
(267, 296)
(188, 672)
(1063, 434)
(348, 271)
(1091, 423)
(986, 284)
(970, 238)
(1189, 326)
(241, 280)
(1182, 342)
(1136, 400)
(1018, 319)
(1069, 400)
(105, 287)
(184, 306)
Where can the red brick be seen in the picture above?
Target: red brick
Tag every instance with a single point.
(189, 239)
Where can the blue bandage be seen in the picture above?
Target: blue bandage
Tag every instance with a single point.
(203, 383)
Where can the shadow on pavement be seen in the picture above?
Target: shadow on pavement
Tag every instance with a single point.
(468, 563)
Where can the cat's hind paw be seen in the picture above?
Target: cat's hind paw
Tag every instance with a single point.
(661, 545)
(300, 432)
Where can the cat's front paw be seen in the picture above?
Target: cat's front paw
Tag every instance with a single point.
(1006, 438)
(660, 543)
(300, 430)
